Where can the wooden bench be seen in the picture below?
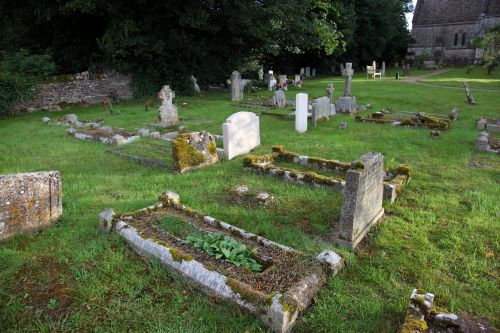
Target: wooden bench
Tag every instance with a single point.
(372, 72)
(430, 64)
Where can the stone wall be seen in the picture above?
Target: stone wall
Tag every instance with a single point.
(29, 201)
(80, 90)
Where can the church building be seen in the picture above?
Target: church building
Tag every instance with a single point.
(443, 30)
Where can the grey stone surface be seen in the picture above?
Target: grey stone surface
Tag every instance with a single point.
(167, 113)
(455, 114)
(470, 98)
(45, 120)
(194, 150)
(321, 110)
(481, 124)
(143, 132)
(313, 72)
(330, 89)
(308, 72)
(236, 86)
(332, 259)
(363, 196)
(71, 118)
(196, 87)
(342, 125)
(281, 310)
(346, 104)
(448, 28)
(279, 99)
(347, 74)
(81, 90)
(283, 83)
(29, 201)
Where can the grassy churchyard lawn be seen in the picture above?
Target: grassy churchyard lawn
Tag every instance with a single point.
(442, 234)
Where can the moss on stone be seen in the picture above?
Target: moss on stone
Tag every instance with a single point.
(178, 255)
(185, 155)
(289, 304)
(212, 148)
(414, 325)
(403, 169)
(246, 293)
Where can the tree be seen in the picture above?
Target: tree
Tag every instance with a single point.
(490, 44)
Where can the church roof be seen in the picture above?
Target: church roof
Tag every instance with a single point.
(451, 11)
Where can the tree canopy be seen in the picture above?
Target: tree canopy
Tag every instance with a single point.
(167, 41)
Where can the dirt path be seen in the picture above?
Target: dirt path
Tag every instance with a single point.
(416, 80)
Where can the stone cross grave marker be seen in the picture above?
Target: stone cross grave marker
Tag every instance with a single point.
(236, 86)
(29, 201)
(347, 74)
(330, 89)
(301, 106)
(241, 134)
(167, 113)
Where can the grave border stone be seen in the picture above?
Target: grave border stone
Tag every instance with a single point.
(278, 311)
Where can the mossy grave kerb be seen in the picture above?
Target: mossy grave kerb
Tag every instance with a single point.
(393, 185)
(278, 309)
(413, 120)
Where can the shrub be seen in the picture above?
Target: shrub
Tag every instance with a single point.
(13, 89)
(145, 85)
(23, 63)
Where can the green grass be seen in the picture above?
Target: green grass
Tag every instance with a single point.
(477, 78)
(439, 235)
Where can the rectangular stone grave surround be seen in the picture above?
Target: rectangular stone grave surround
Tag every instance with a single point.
(409, 119)
(363, 187)
(106, 135)
(487, 142)
(278, 309)
(241, 134)
(394, 181)
(193, 151)
(29, 201)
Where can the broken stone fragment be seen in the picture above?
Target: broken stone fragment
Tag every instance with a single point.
(332, 259)
(106, 219)
(118, 139)
(143, 132)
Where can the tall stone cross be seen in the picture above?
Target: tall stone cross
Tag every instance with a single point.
(330, 90)
(348, 73)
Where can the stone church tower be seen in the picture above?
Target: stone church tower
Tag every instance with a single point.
(443, 30)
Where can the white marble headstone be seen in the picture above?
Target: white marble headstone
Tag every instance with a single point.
(241, 133)
(301, 108)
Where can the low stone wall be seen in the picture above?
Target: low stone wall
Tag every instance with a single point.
(81, 90)
(29, 201)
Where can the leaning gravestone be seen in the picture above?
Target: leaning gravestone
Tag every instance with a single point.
(167, 113)
(470, 98)
(279, 99)
(301, 106)
(321, 110)
(347, 103)
(196, 87)
(241, 134)
(236, 87)
(194, 150)
(29, 201)
(363, 196)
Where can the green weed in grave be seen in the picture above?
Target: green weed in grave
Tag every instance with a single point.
(226, 248)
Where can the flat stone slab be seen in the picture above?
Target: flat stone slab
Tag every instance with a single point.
(105, 135)
(278, 299)
(29, 201)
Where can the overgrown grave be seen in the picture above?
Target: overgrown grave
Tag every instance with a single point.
(320, 172)
(410, 119)
(147, 151)
(275, 282)
(488, 124)
(72, 120)
(105, 135)
(361, 182)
